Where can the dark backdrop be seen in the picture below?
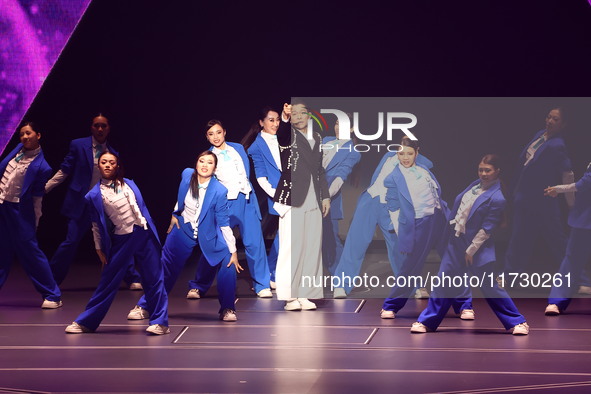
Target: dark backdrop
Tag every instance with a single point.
(160, 69)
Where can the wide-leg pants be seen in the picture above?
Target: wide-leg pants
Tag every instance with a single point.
(141, 245)
(243, 214)
(369, 213)
(64, 255)
(177, 249)
(453, 265)
(427, 232)
(26, 249)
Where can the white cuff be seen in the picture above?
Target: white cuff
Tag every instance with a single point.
(97, 236)
(394, 218)
(229, 238)
(281, 209)
(266, 186)
(37, 202)
(58, 178)
(477, 242)
(569, 178)
(335, 186)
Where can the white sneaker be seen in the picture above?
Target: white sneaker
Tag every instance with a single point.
(306, 304)
(51, 304)
(76, 328)
(273, 285)
(521, 329)
(265, 293)
(467, 314)
(228, 315)
(552, 310)
(585, 290)
(158, 329)
(418, 328)
(421, 293)
(384, 314)
(136, 286)
(293, 305)
(138, 313)
(193, 294)
(339, 292)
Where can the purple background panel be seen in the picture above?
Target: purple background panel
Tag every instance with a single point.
(32, 36)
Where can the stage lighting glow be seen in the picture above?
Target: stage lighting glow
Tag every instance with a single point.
(32, 36)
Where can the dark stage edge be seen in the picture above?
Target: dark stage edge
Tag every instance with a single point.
(342, 347)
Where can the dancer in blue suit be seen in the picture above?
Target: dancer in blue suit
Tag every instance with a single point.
(477, 211)
(123, 229)
(578, 250)
(23, 174)
(544, 162)
(371, 210)
(81, 166)
(418, 215)
(338, 161)
(233, 171)
(200, 217)
(264, 152)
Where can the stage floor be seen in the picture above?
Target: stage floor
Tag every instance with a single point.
(343, 347)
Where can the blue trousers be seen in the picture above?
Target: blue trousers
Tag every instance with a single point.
(453, 264)
(66, 252)
(243, 214)
(578, 253)
(332, 246)
(427, 232)
(368, 213)
(141, 245)
(177, 249)
(26, 249)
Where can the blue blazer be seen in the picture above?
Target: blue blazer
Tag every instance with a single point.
(398, 198)
(214, 214)
(78, 164)
(264, 166)
(580, 214)
(253, 197)
(422, 160)
(37, 175)
(544, 169)
(97, 214)
(486, 213)
(340, 166)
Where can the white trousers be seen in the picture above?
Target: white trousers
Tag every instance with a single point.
(299, 263)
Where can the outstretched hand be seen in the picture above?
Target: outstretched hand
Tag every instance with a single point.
(550, 191)
(234, 260)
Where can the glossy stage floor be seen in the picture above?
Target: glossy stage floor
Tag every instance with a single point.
(342, 347)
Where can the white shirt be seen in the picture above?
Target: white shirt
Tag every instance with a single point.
(121, 208)
(11, 183)
(466, 204)
(271, 141)
(422, 189)
(231, 172)
(193, 205)
(192, 211)
(533, 148)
